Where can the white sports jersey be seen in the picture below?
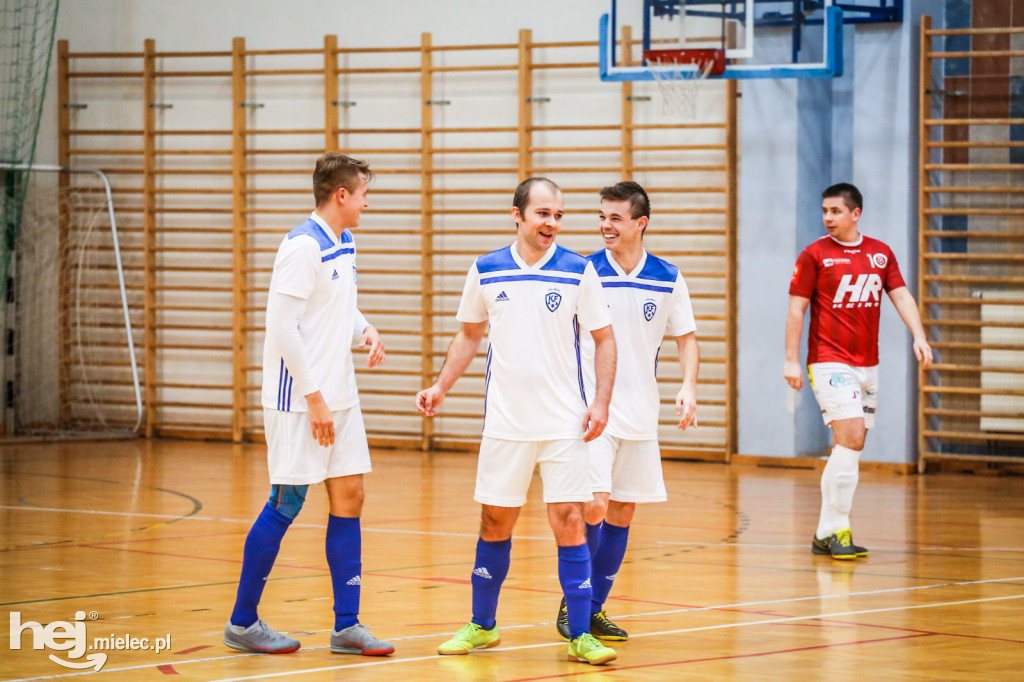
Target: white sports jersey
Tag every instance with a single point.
(534, 383)
(645, 304)
(315, 265)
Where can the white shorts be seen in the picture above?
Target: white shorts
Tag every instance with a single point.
(628, 469)
(845, 392)
(505, 468)
(295, 458)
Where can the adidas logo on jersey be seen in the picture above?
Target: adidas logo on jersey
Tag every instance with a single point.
(864, 292)
(355, 581)
(335, 275)
(482, 572)
(502, 297)
(585, 585)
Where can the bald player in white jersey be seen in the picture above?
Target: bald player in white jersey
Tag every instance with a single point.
(648, 299)
(539, 299)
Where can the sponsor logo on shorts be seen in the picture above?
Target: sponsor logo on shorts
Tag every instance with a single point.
(869, 410)
(649, 309)
(837, 380)
(483, 572)
(355, 581)
(553, 300)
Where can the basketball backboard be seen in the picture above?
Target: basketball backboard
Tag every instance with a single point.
(734, 26)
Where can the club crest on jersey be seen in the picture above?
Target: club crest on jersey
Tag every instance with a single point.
(880, 260)
(553, 300)
(649, 309)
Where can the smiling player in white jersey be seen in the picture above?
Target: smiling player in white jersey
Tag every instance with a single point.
(648, 299)
(842, 276)
(539, 300)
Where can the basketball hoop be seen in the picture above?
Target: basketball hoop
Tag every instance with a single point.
(678, 86)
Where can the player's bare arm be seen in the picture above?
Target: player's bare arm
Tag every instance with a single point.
(371, 338)
(604, 370)
(794, 328)
(686, 398)
(911, 316)
(461, 352)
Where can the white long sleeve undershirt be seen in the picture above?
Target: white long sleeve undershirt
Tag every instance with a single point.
(284, 317)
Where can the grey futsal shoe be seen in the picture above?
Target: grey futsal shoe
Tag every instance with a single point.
(819, 546)
(358, 640)
(258, 638)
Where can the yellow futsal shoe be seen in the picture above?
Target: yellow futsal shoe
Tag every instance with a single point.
(586, 649)
(470, 636)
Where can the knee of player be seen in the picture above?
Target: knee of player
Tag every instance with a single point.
(288, 499)
(595, 510)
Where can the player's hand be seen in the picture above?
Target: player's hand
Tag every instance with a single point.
(594, 421)
(320, 419)
(375, 358)
(793, 374)
(923, 352)
(429, 399)
(686, 407)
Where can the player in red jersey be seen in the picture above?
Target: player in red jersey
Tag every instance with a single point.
(842, 276)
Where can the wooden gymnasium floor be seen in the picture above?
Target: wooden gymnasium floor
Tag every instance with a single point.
(719, 582)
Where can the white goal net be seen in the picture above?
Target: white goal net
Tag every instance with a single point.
(70, 366)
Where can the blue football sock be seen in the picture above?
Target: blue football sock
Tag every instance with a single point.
(489, 571)
(574, 574)
(607, 562)
(261, 547)
(594, 538)
(345, 559)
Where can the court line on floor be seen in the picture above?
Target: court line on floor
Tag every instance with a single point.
(771, 621)
(461, 535)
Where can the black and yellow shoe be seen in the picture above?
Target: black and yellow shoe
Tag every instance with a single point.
(562, 622)
(840, 545)
(819, 546)
(602, 628)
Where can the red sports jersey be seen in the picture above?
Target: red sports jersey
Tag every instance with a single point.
(845, 286)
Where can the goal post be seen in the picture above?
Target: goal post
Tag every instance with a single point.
(71, 367)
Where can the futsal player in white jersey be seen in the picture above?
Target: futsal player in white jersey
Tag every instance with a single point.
(539, 299)
(648, 299)
(312, 421)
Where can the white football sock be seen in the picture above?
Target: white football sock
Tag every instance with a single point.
(842, 477)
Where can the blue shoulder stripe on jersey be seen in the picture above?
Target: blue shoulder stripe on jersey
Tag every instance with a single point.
(635, 285)
(310, 228)
(346, 237)
(339, 252)
(496, 261)
(534, 278)
(658, 270)
(601, 264)
(565, 260)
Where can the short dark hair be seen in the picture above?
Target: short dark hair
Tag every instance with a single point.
(628, 190)
(522, 196)
(847, 192)
(334, 170)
